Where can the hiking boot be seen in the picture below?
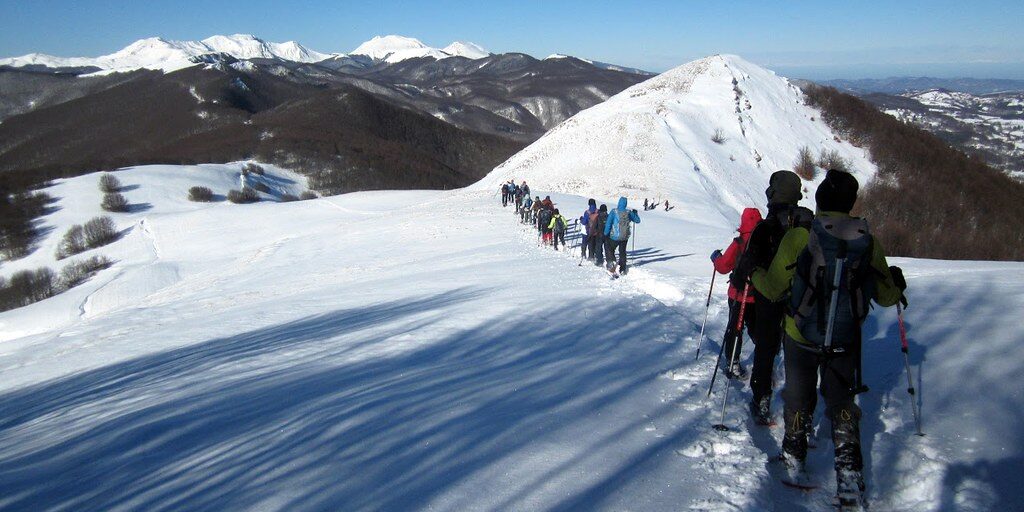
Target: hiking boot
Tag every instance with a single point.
(736, 371)
(794, 472)
(761, 410)
(850, 490)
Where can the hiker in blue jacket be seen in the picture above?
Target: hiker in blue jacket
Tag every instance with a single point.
(616, 234)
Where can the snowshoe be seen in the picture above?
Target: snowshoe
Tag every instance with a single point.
(736, 372)
(794, 473)
(850, 491)
(761, 411)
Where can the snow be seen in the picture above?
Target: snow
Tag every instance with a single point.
(394, 48)
(466, 49)
(167, 55)
(654, 140)
(418, 350)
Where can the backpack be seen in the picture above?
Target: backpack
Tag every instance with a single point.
(765, 239)
(832, 238)
(593, 224)
(624, 224)
(559, 224)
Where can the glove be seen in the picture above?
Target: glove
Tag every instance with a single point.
(715, 255)
(900, 282)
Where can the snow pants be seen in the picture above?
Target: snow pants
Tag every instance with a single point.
(766, 333)
(803, 369)
(556, 236)
(610, 247)
(596, 248)
(732, 336)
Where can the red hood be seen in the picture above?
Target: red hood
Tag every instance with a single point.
(749, 219)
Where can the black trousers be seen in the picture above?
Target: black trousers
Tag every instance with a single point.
(732, 335)
(584, 245)
(610, 247)
(803, 370)
(556, 236)
(766, 334)
(596, 248)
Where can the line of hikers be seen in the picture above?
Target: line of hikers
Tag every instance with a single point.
(807, 281)
(604, 233)
(652, 204)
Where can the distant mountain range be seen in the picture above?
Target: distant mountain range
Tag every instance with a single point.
(902, 85)
(393, 113)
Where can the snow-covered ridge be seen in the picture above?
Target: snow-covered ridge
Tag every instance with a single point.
(394, 48)
(654, 140)
(169, 55)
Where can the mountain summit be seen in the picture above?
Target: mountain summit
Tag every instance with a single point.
(706, 135)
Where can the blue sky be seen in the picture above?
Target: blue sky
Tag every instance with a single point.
(841, 39)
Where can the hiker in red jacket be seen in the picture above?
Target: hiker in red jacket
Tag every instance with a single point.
(725, 263)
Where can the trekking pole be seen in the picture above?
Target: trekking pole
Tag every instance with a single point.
(707, 308)
(906, 363)
(721, 427)
(634, 237)
(840, 258)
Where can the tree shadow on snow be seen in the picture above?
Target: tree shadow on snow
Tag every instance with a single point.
(306, 422)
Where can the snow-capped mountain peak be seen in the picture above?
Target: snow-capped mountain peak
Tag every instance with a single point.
(168, 55)
(466, 49)
(381, 46)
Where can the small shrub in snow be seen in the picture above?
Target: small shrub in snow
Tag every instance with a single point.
(72, 243)
(830, 159)
(804, 166)
(109, 183)
(99, 231)
(262, 187)
(200, 194)
(308, 195)
(287, 198)
(253, 168)
(718, 137)
(114, 202)
(78, 272)
(246, 195)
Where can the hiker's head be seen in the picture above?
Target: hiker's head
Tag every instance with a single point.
(603, 208)
(556, 211)
(748, 219)
(837, 192)
(783, 188)
(622, 203)
(592, 202)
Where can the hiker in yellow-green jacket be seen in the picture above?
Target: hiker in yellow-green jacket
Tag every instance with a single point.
(819, 341)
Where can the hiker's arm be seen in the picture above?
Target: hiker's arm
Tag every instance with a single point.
(776, 280)
(727, 262)
(633, 216)
(886, 291)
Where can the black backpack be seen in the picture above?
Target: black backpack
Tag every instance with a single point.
(764, 241)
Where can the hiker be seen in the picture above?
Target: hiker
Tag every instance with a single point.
(526, 189)
(585, 222)
(504, 194)
(596, 225)
(537, 205)
(544, 224)
(805, 263)
(783, 194)
(646, 207)
(557, 227)
(616, 234)
(667, 207)
(524, 212)
(739, 293)
(518, 198)
(548, 204)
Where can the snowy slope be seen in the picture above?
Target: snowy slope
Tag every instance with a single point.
(167, 55)
(417, 350)
(655, 140)
(466, 49)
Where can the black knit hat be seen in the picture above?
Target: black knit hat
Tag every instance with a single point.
(592, 202)
(783, 188)
(837, 193)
